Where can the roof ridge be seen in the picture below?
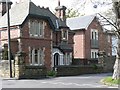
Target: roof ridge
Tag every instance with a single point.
(82, 16)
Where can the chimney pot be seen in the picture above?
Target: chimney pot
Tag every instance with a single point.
(47, 8)
(38, 6)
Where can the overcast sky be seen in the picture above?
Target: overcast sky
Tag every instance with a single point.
(68, 3)
(48, 3)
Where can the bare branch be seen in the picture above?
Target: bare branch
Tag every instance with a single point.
(109, 21)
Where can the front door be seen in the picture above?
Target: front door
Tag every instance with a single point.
(56, 59)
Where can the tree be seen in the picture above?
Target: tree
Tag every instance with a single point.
(116, 31)
(72, 13)
(116, 73)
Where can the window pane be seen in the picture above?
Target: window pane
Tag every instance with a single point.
(95, 36)
(36, 57)
(33, 56)
(95, 55)
(64, 34)
(34, 29)
(37, 28)
(40, 56)
(41, 27)
(92, 35)
(92, 54)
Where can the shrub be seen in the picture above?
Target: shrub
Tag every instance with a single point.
(95, 67)
(51, 73)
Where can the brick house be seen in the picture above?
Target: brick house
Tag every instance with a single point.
(43, 36)
(89, 39)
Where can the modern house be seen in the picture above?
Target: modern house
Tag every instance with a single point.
(44, 37)
(90, 39)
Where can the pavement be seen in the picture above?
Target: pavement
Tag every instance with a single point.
(0, 83)
(82, 81)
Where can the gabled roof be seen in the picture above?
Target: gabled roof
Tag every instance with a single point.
(80, 22)
(22, 10)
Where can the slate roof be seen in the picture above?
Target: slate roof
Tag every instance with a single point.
(80, 22)
(22, 10)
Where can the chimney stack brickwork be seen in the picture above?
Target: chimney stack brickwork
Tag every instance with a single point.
(3, 7)
(61, 11)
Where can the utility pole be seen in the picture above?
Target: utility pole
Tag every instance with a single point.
(9, 45)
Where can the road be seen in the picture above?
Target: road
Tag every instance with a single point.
(82, 81)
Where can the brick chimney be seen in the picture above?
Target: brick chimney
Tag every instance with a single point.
(3, 7)
(61, 11)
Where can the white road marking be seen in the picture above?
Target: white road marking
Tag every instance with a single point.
(76, 84)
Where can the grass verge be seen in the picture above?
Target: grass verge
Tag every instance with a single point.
(110, 81)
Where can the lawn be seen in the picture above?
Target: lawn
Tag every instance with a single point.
(110, 81)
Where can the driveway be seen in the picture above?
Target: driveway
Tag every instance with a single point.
(82, 81)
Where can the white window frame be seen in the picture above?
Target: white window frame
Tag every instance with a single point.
(36, 28)
(94, 34)
(64, 31)
(40, 56)
(67, 59)
(94, 53)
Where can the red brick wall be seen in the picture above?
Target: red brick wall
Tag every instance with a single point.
(27, 41)
(14, 47)
(79, 44)
(104, 44)
(82, 46)
(71, 39)
(56, 37)
(102, 37)
(93, 25)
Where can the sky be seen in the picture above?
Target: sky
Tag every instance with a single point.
(68, 3)
(48, 3)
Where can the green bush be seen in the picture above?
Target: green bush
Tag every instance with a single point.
(95, 67)
(52, 73)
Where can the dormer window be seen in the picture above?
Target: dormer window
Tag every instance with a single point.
(64, 34)
(36, 28)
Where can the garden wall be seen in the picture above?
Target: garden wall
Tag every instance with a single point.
(5, 68)
(78, 70)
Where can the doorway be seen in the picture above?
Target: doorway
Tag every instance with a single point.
(56, 59)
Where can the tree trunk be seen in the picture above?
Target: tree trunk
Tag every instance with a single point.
(116, 73)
